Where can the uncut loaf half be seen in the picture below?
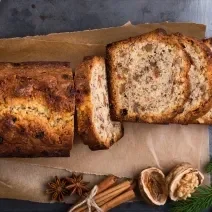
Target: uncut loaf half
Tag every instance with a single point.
(36, 109)
(200, 77)
(148, 78)
(93, 117)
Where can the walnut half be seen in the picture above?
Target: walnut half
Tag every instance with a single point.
(152, 186)
(182, 181)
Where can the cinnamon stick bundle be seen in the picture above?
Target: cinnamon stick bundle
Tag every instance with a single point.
(109, 197)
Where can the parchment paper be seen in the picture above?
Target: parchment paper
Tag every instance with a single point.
(107, 35)
(143, 145)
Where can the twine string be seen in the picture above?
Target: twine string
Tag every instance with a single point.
(90, 201)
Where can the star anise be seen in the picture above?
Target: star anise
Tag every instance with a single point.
(77, 185)
(57, 189)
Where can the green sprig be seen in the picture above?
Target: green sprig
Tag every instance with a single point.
(209, 167)
(200, 200)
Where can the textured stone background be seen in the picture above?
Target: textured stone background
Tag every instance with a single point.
(20, 18)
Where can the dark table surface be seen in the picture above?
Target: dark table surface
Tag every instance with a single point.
(20, 18)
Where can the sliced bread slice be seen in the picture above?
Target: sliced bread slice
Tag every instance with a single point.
(148, 78)
(92, 105)
(200, 76)
(207, 118)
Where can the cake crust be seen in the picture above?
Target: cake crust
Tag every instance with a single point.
(37, 109)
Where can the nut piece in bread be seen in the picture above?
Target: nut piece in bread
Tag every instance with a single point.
(36, 109)
(200, 76)
(148, 78)
(207, 118)
(93, 116)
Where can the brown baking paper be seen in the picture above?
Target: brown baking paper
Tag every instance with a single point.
(28, 182)
(143, 145)
(107, 35)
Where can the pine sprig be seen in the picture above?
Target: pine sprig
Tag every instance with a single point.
(209, 167)
(200, 200)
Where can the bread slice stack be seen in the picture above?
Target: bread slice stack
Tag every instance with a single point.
(93, 116)
(200, 77)
(207, 118)
(151, 78)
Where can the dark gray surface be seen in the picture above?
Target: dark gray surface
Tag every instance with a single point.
(19, 18)
(24, 206)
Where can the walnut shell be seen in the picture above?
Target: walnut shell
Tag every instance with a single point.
(182, 181)
(152, 186)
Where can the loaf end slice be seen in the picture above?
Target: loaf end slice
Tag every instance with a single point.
(36, 109)
(200, 76)
(148, 78)
(207, 118)
(93, 117)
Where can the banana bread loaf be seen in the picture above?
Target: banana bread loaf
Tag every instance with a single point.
(36, 109)
(92, 104)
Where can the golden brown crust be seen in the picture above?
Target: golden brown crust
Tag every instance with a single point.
(84, 107)
(36, 110)
(202, 108)
(121, 115)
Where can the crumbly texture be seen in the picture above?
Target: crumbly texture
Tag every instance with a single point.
(207, 118)
(148, 78)
(200, 76)
(36, 109)
(92, 104)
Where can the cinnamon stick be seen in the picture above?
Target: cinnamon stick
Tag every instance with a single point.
(106, 183)
(125, 184)
(126, 196)
(112, 194)
(106, 198)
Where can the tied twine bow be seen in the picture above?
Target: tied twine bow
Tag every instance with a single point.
(90, 201)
